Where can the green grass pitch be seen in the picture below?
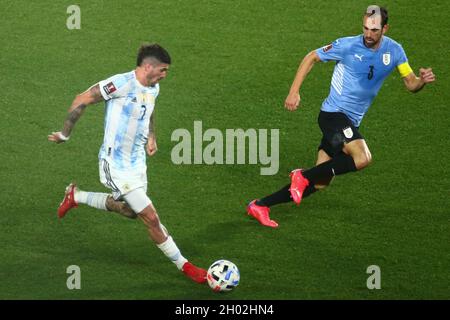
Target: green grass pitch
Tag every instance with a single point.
(233, 63)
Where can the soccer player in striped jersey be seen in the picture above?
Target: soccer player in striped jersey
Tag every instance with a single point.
(128, 133)
(362, 64)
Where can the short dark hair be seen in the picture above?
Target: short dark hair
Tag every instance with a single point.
(153, 50)
(384, 16)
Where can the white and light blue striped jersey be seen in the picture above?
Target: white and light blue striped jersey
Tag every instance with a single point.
(359, 73)
(128, 108)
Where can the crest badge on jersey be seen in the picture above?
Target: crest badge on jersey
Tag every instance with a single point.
(348, 132)
(387, 58)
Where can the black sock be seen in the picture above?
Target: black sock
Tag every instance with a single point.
(283, 195)
(340, 164)
(309, 190)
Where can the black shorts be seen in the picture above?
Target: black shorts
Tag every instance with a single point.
(337, 129)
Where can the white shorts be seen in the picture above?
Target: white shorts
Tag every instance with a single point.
(137, 199)
(130, 186)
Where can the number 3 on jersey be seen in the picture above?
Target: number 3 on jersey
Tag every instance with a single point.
(370, 75)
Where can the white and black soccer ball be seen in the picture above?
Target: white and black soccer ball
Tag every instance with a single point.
(223, 275)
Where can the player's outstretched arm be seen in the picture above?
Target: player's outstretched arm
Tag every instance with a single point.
(293, 99)
(415, 84)
(152, 147)
(79, 104)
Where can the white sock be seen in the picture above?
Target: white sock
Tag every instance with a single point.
(170, 249)
(93, 199)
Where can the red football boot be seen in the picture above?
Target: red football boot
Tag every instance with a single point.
(261, 214)
(298, 185)
(195, 273)
(68, 201)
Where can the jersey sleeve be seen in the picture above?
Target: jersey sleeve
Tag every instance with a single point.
(113, 86)
(157, 91)
(403, 66)
(334, 51)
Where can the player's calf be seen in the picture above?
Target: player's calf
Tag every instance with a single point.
(158, 233)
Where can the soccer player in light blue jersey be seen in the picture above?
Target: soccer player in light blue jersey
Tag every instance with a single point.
(362, 63)
(128, 133)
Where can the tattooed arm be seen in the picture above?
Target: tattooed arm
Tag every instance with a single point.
(90, 96)
(151, 142)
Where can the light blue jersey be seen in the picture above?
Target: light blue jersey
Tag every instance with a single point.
(128, 108)
(359, 73)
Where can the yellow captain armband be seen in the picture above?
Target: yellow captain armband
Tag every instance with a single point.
(404, 69)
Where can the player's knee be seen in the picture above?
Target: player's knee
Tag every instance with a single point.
(150, 217)
(126, 211)
(120, 207)
(363, 160)
(130, 214)
(154, 220)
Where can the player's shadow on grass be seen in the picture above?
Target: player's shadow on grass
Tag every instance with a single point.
(235, 226)
(238, 222)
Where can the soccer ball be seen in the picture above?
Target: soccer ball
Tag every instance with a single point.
(223, 275)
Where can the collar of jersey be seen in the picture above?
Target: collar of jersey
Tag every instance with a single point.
(370, 49)
(140, 84)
